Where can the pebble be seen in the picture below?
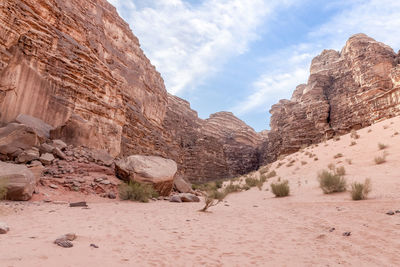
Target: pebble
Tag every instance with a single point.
(53, 186)
(94, 246)
(346, 233)
(4, 228)
(390, 212)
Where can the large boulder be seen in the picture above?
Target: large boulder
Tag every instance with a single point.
(18, 179)
(15, 137)
(153, 170)
(181, 185)
(41, 128)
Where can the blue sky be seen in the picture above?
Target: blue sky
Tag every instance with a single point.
(245, 55)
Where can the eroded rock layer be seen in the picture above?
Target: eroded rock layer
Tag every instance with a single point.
(346, 90)
(77, 66)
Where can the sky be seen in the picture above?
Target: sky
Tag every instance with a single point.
(244, 56)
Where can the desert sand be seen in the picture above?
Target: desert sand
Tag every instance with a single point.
(248, 228)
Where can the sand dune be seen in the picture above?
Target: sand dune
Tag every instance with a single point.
(249, 228)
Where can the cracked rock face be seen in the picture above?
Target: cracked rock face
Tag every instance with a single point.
(346, 90)
(77, 66)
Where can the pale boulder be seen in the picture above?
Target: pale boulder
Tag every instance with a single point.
(20, 181)
(153, 170)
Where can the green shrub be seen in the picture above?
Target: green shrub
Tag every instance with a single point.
(137, 192)
(360, 191)
(280, 189)
(331, 182)
(218, 183)
(232, 188)
(3, 189)
(251, 182)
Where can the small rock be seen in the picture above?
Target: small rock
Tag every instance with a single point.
(175, 198)
(397, 211)
(98, 179)
(346, 233)
(45, 148)
(105, 182)
(332, 229)
(28, 155)
(58, 153)
(46, 158)
(78, 204)
(94, 246)
(188, 197)
(4, 228)
(53, 186)
(390, 212)
(59, 144)
(112, 195)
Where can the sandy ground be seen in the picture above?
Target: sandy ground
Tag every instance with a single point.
(249, 228)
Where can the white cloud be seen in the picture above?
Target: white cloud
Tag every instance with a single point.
(188, 43)
(379, 19)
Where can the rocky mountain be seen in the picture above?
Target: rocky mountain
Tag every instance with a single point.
(78, 67)
(346, 90)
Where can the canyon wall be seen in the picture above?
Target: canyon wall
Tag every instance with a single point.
(77, 66)
(346, 90)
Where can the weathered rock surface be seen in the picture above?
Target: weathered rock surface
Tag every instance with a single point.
(181, 185)
(19, 180)
(153, 170)
(41, 128)
(14, 138)
(76, 66)
(346, 90)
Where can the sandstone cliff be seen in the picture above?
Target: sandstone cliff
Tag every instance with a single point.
(77, 66)
(346, 90)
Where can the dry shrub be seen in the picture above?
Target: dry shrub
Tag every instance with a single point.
(280, 189)
(340, 171)
(137, 192)
(338, 155)
(336, 138)
(271, 174)
(360, 191)
(353, 143)
(354, 134)
(212, 198)
(3, 189)
(380, 159)
(331, 182)
(382, 146)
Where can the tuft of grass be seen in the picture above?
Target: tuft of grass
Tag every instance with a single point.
(382, 146)
(264, 170)
(353, 143)
(369, 130)
(360, 191)
(252, 182)
(137, 192)
(331, 182)
(354, 134)
(338, 155)
(340, 171)
(331, 166)
(218, 183)
(3, 189)
(279, 164)
(271, 174)
(281, 189)
(336, 138)
(380, 159)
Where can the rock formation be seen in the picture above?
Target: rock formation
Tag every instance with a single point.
(346, 90)
(77, 66)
